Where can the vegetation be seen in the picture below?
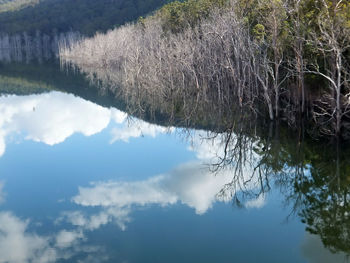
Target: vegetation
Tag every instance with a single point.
(219, 65)
(281, 58)
(37, 77)
(177, 15)
(21, 86)
(85, 16)
(12, 5)
(40, 47)
(314, 178)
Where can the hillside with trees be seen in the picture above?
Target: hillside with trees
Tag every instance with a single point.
(281, 59)
(12, 5)
(85, 16)
(31, 29)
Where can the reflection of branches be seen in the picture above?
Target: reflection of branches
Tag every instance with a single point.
(313, 179)
(238, 156)
(320, 198)
(255, 159)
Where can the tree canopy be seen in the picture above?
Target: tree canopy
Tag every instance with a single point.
(85, 16)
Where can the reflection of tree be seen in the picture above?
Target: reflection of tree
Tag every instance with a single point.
(36, 48)
(314, 177)
(249, 176)
(315, 180)
(311, 175)
(324, 206)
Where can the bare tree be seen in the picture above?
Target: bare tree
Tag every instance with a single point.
(333, 40)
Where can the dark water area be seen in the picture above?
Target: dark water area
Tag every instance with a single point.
(85, 178)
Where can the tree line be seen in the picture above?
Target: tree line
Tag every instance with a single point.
(282, 59)
(26, 48)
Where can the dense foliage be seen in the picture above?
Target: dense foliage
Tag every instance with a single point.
(85, 16)
(12, 5)
(177, 15)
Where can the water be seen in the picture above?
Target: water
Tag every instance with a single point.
(83, 181)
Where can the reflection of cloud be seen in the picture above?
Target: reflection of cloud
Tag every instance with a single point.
(53, 117)
(2, 194)
(118, 116)
(125, 193)
(136, 129)
(93, 259)
(315, 252)
(256, 203)
(18, 245)
(67, 238)
(191, 184)
(118, 215)
(2, 143)
(212, 151)
(207, 149)
(50, 118)
(195, 186)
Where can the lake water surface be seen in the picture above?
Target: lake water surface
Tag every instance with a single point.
(83, 181)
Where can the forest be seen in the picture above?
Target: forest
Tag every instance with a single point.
(85, 16)
(12, 5)
(282, 59)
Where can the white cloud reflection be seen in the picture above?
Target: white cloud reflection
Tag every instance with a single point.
(68, 238)
(20, 245)
(116, 215)
(256, 203)
(136, 129)
(2, 194)
(2, 143)
(17, 246)
(52, 117)
(192, 184)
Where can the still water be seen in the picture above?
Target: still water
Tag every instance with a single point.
(81, 180)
